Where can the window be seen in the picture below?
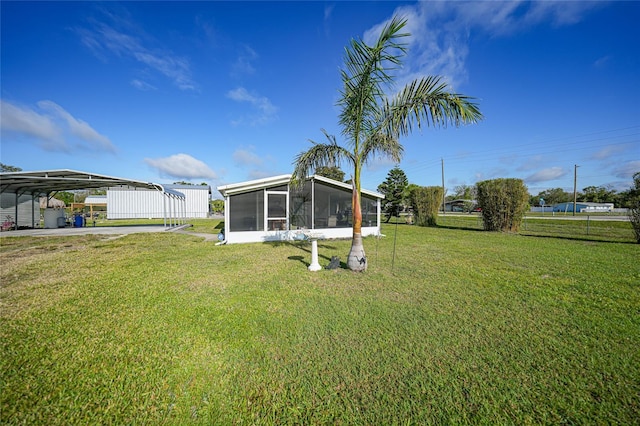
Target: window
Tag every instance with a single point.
(246, 212)
(369, 211)
(276, 211)
(332, 207)
(300, 207)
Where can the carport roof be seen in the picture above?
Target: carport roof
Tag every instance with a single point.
(47, 181)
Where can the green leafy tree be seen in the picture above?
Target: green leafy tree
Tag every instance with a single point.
(551, 196)
(372, 122)
(217, 206)
(426, 201)
(597, 194)
(634, 205)
(5, 168)
(331, 172)
(503, 203)
(67, 197)
(464, 192)
(394, 188)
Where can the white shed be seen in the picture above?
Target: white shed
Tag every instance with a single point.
(139, 203)
(270, 210)
(19, 210)
(197, 199)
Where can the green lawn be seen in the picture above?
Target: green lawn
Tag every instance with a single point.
(467, 327)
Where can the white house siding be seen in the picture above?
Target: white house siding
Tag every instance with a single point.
(28, 210)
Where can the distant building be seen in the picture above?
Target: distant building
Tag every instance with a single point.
(583, 207)
(459, 205)
(142, 203)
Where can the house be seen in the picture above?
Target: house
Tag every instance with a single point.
(272, 210)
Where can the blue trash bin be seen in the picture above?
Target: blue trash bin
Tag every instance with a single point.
(78, 221)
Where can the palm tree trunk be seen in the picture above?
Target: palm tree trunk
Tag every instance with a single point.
(357, 260)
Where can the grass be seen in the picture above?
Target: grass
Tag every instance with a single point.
(467, 327)
(584, 227)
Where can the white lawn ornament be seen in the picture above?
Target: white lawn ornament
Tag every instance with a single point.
(313, 237)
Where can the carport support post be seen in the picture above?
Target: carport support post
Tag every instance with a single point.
(315, 266)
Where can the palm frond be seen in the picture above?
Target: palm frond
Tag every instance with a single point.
(319, 155)
(426, 102)
(365, 76)
(382, 145)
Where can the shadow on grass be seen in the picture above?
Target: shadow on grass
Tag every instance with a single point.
(305, 246)
(584, 239)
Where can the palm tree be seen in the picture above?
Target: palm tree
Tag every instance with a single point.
(372, 123)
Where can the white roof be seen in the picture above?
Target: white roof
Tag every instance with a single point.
(252, 185)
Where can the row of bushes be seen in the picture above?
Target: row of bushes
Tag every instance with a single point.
(503, 203)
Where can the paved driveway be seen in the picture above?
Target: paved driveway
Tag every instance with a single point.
(104, 230)
(107, 230)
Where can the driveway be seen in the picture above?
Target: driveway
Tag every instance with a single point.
(88, 230)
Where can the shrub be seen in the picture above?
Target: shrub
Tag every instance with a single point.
(426, 201)
(503, 203)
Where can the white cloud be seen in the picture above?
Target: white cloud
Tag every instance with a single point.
(244, 61)
(440, 30)
(27, 122)
(142, 85)
(551, 173)
(244, 157)
(104, 38)
(265, 111)
(79, 128)
(608, 151)
(53, 128)
(181, 166)
(628, 169)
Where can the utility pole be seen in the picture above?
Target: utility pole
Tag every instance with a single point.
(443, 194)
(575, 181)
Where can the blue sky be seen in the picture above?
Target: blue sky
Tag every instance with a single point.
(222, 92)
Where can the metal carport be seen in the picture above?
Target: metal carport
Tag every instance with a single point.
(49, 182)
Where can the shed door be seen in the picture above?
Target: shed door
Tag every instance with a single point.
(277, 211)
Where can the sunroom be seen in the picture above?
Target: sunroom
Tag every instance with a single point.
(271, 210)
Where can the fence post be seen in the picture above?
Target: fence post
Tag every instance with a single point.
(588, 224)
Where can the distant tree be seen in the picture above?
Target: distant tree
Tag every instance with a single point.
(217, 206)
(182, 183)
(204, 184)
(5, 168)
(551, 197)
(394, 188)
(503, 203)
(597, 194)
(331, 172)
(634, 205)
(464, 192)
(67, 197)
(426, 201)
